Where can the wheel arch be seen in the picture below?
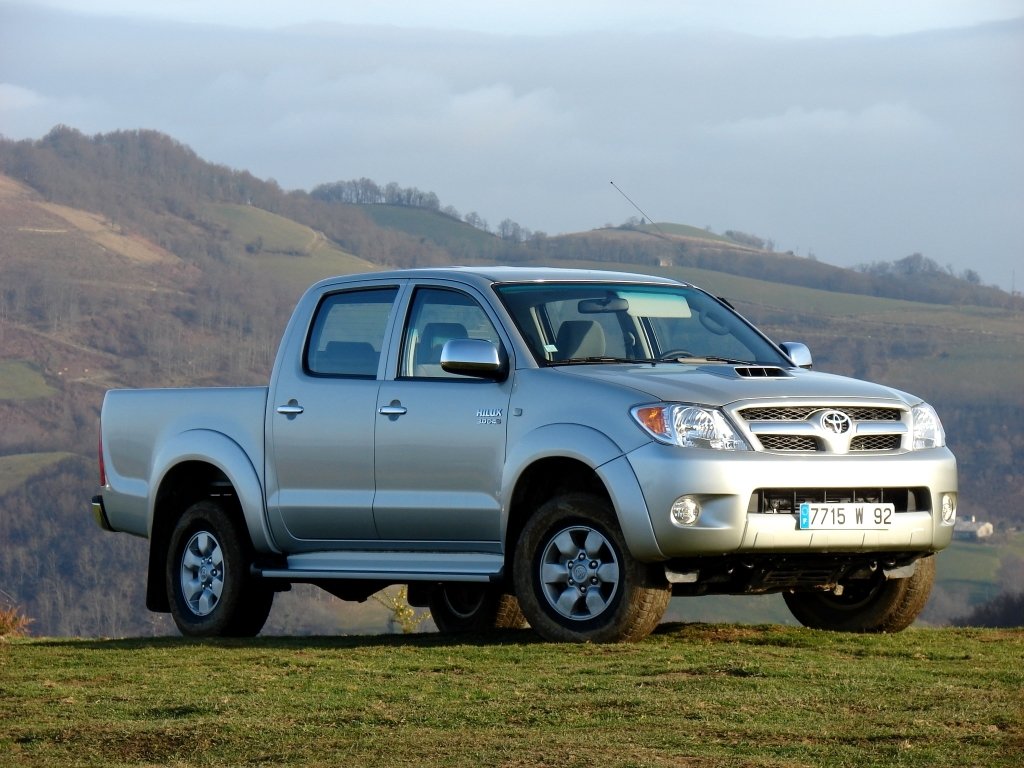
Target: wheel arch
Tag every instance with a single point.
(566, 458)
(195, 465)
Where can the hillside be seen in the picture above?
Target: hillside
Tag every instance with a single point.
(125, 260)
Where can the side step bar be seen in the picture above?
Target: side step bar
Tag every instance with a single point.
(390, 566)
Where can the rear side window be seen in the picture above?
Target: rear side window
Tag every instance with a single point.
(348, 333)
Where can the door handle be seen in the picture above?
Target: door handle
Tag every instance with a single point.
(292, 409)
(392, 410)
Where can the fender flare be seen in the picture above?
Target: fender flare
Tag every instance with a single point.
(596, 450)
(220, 451)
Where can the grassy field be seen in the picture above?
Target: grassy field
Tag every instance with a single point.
(277, 233)
(685, 230)
(690, 695)
(291, 252)
(21, 381)
(16, 468)
(432, 225)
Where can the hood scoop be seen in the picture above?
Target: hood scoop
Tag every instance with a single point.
(747, 371)
(761, 372)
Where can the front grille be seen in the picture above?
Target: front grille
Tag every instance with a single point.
(875, 443)
(788, 443)
(822, 428)
(801, 412)
(787, 413)
(787, 501)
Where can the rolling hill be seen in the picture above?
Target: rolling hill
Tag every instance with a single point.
(125, 260)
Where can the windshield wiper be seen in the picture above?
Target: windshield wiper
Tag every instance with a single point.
(708, 359)
(603, 359)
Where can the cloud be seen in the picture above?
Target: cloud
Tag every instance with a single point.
(798, 140)
(798, 124)
(14, 98)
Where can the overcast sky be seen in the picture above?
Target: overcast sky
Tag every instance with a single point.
(856, 131)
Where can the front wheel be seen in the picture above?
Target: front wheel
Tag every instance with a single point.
(459, 607)
(576, 579)
(209, 588)
(867, 605)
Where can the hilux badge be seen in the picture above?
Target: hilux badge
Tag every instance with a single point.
(488, 415)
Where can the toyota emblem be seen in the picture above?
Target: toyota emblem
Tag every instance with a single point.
(835, 422)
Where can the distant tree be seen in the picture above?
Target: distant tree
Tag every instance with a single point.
(916, 264)
(971, 277)
(745, 238)
(392, 194)
(510, 230)
(475, 220)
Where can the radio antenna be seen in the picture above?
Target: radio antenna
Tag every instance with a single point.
(630, 201)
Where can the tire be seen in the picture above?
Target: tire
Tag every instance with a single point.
(867, 605)
(576, 579)
(209, 588)
(460, 607)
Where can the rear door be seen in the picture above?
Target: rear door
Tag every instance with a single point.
(440, 437)
(320, 473)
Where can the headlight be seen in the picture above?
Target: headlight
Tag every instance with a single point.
(926, 429)
(689, 426)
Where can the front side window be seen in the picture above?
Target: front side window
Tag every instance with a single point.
(436, 316)
(348, 333)
(568, 323)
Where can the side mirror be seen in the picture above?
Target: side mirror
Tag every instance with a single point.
(798, 353)
(474, 357)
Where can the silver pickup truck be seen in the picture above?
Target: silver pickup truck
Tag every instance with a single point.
(560, 447)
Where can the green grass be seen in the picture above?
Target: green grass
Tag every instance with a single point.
(18, 468)
(434, 226)
(20, 380)
(279, 234)
(292, 253)
(684, 230)
(690, 695)
(299, 272)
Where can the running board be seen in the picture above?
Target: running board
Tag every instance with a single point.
(389, 566)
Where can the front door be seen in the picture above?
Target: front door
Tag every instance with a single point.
(440, 437)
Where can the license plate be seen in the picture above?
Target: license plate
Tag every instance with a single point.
(849, 517)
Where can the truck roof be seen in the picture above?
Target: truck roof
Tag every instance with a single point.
(501, 274)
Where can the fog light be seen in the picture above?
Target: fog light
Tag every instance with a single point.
(685, 511)
(948, 508)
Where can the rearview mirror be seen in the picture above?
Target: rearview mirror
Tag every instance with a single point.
(609, 304)
(798, 353)
(474, 357)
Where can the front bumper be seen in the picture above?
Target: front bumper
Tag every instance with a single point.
(724, 483)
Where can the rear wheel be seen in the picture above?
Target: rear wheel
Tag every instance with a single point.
(471, 607)
(209, 587)
(867, 605)
(576, 579)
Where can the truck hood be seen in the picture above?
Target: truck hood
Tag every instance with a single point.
(720, 384)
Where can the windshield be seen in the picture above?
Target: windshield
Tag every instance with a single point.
(610, 322)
